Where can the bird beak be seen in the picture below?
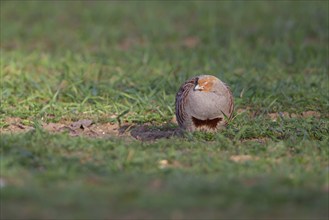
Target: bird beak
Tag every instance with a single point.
(197, 87)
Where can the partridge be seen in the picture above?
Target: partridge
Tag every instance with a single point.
(203, 103)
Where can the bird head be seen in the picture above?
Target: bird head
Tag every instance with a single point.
(205, 83)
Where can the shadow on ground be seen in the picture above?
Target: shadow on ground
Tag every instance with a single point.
(150, 132)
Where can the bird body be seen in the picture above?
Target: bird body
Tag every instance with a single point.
(203, 103)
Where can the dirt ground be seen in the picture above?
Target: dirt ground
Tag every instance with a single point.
(145, 132)
(88, 128)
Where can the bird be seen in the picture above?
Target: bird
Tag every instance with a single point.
(203, 103)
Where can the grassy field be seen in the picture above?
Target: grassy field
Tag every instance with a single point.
(87, 110)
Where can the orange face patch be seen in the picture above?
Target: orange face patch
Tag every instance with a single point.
(206, 84)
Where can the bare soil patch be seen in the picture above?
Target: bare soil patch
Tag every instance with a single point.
(15, 125)
(88, 128)
(144, 132)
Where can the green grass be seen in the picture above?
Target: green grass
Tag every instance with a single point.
(73, 60)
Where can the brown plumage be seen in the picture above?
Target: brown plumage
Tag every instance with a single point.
(203, 103)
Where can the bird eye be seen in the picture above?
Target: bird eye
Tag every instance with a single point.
(197, 81)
